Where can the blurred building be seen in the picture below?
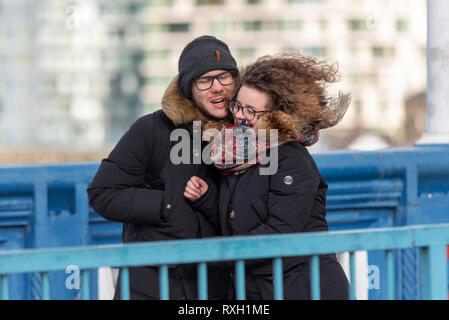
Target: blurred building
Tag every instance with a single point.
(77, 74)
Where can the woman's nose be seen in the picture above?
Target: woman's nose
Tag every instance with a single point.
(239, 114)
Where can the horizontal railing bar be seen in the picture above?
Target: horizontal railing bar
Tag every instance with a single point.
(221, 249)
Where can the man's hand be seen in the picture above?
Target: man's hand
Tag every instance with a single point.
(195, 188)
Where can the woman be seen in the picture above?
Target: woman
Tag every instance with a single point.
(285, 93)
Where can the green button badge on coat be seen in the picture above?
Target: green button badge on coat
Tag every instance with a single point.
(288, 180)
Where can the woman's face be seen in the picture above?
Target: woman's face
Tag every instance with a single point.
(248, 97)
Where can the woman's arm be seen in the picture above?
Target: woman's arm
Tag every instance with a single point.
(292, 193)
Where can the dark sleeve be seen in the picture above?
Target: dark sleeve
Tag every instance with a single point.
(119, 191)
(292, 193)
(207, 204)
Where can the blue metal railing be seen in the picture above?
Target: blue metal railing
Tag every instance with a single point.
(430, 240)
(44, 206)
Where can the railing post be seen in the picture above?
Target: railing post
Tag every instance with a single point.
(433, 273)
(45, 286)
(85, 287)
(278, 282)
(390, 274)
(352, 273)
(240, 280)
(202, 281)
(163, 282)
(5, 287)
(315, 277)
(124, 284)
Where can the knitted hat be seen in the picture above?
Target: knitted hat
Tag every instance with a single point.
(200, 56)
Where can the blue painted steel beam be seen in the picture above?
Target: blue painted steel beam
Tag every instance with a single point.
(394, 187)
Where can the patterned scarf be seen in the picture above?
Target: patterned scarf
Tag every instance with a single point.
(238, 148)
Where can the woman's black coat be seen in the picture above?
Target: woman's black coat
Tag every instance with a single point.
(293, 200)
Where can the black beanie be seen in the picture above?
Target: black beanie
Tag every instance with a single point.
(200, 56)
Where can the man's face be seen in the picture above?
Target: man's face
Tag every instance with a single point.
(213, 103)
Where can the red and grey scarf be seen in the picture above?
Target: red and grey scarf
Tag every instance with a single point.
(239, 148)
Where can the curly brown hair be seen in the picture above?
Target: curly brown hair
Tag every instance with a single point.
(297, 85)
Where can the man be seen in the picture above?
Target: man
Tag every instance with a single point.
(139, 185)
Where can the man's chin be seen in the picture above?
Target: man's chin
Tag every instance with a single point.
(220, 115)
(216, 114)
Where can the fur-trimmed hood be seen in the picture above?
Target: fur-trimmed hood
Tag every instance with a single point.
(176, 106)
(294, 127)
(291, 127)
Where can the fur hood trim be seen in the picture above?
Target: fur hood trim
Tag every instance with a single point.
(176, 106)
(293, 127)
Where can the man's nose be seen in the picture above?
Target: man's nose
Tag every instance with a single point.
(216, 86)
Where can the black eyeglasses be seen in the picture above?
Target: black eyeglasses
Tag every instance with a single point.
(248, 112)
(205, 83)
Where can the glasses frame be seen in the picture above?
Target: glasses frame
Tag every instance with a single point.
(239, 107)
(213, 78)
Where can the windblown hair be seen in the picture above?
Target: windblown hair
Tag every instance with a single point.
(297, 85)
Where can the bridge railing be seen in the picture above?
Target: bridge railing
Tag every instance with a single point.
(43, 206)
(430, 240)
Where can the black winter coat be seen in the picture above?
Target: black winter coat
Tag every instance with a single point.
(151, 205)
(138, 185)
(293, 200)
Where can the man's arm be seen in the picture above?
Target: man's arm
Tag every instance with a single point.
(119, 190)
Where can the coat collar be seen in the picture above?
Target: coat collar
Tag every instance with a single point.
(176, 107)
(288, 127)
(291, 127)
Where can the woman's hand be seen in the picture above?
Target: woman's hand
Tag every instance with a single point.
(195, 188)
